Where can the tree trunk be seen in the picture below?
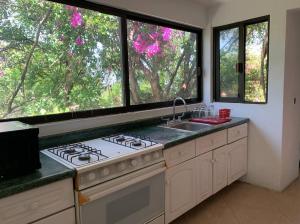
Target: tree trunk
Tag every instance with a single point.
(28, 60)
(264, 53)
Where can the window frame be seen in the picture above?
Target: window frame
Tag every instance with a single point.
(124, 15)
(242, 60)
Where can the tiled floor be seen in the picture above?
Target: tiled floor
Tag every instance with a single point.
(242, 203)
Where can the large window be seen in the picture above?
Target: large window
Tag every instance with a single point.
(241, 61)
(162, 63)
(61, 61)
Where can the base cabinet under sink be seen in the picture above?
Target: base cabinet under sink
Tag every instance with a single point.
(196, 179)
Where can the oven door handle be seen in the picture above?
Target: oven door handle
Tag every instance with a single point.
(84, 199)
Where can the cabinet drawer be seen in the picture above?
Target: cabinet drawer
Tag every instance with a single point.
(180, 153)
(37, 203)
(65, 217)
(237, 133)
(210, 142)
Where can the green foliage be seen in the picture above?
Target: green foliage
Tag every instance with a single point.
(256, 67)
(170, 72)
(62, 75)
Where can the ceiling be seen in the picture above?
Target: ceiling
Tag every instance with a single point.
(211, 2)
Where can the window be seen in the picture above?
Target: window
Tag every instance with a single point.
(162, 63)
(61, 61)
(241, 61)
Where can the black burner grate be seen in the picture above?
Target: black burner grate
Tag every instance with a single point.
(78, 152)
(134, 141)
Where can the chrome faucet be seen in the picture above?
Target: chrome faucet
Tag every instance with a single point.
(174, 105)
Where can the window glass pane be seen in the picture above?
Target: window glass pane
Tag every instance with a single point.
(162, 63)
(56, 58)
(256, 62)
(229, 57)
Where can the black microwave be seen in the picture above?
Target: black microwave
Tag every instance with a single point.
(19, 146)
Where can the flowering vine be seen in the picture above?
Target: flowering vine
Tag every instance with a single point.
(151, 44)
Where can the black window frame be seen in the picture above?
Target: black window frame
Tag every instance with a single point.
(242, 60)
(124, 15)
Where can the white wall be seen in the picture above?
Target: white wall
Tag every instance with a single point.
(265, 131)
(192, 14)
(291, 111)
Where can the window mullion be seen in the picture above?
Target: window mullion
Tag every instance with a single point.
(242, 58)
(125, 63)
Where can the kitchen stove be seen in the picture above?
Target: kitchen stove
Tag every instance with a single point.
(113, 172)
(106, 158)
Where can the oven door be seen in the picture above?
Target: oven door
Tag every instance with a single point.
(135, 198)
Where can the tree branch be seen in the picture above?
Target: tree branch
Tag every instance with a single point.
(173, 75)
(28, 60)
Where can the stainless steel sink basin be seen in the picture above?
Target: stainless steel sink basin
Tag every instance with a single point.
(189, 126)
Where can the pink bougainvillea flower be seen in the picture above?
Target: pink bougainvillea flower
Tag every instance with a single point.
(153, 49)
(1, 74)
(166, 33)
(139, 45)
(79, 41)
(76, 19)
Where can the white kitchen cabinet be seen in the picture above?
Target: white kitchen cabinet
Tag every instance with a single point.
(210, 142)
(237, 160)
(220, 168)
(180, 153)
(237, 132)
(204, 176)
(35, 204)
(65, 217)
(202, 167)
(180, 189)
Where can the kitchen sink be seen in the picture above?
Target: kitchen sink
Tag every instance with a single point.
(188, 126)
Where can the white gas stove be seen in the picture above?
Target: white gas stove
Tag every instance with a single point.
(106, 158)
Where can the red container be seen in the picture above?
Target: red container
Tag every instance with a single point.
(224, 113)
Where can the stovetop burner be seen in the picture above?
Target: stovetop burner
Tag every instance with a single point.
(137, 143)
(134, 142)
(70, 151)
(84, 156)
(120, 139)
(78, 154)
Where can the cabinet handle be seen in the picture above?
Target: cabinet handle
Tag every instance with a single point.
(213, 161)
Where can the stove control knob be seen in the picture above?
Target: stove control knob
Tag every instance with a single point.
(147, 158)
(156, 155)
(105, 171)
(91, 176)
(122, 166)
(134, 162)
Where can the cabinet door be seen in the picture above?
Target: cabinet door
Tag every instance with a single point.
(220, 158)
(180, 189)
(237, 160)
(65, 217)
(204, 176)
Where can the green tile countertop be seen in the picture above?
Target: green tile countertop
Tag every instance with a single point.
(170, 137)
(50, 172)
